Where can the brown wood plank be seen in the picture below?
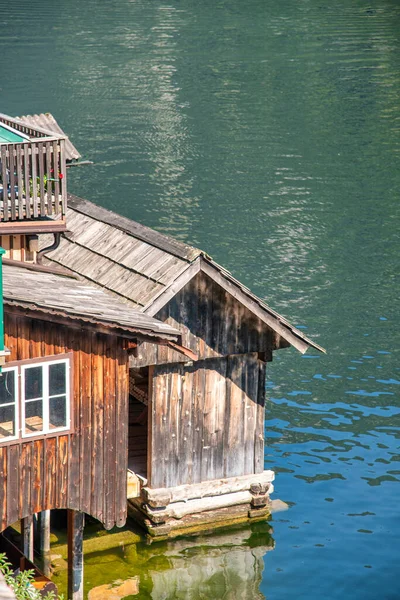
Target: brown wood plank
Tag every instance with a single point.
(25, 481)
(3, 488)
(62, 471)
(37, 476)
(84, 368)
(13, 474)
(109, 386)
(121, 445)
(96, 506)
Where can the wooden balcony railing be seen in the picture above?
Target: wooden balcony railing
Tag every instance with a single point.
(33, 182)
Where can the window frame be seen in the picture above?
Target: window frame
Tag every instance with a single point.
(20, 368)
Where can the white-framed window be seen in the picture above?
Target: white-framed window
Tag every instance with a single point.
(9, 421)
(39, 404)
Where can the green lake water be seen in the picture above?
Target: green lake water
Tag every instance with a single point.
(267, 133)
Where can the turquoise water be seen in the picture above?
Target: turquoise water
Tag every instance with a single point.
(266, 133)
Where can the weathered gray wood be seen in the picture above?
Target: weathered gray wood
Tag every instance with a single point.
(3, 150)
(163, 297)
(243, 295)
(76, 521)
(19, 168)
(42, 539)
(27, 170)
(49, 182)
(41, 180)
(34, 158)
(63, 208)
(218, 487)
(27, 537)
(11, 155)
(260, 420)
(177, 510)
(135, 229)
(56, 167)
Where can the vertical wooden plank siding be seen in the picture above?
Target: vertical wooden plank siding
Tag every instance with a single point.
(84, 470)
(207, 420)
(259, 428)
(4, 176)
(3, 488)
(212, 322)
(121, 439)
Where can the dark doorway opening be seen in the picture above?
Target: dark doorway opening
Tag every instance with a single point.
(138, 420)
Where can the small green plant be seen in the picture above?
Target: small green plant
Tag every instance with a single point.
(22, 583)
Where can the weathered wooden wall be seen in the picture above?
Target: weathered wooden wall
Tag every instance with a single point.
(213, 323)
(84, 470)
(206, 420)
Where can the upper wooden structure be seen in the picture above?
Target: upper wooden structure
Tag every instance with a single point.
(34, 153)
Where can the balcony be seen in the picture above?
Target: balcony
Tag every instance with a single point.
(33, 184)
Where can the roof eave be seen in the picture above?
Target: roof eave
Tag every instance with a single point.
(143, 333)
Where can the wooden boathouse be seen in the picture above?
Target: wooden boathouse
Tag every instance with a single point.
(134, 366)
(196, 417)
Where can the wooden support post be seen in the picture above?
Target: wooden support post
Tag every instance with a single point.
(27, 537)
(42, 539)
(76, 521)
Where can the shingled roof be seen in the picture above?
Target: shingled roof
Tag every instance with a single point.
(146, 268)
(47, 123)
(65, 296)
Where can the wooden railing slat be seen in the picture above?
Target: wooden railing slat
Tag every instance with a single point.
(49, 182)
(64, 178)
(4, 180)
(34, 180)
(11, 150)
(27, 184)
(41, 180)
(20, 180)
(56, 173)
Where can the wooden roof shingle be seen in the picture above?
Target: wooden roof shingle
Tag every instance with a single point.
(66, 296)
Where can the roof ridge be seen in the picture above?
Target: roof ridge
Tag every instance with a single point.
(133, 228)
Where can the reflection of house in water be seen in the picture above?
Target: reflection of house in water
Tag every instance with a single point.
(228, 565)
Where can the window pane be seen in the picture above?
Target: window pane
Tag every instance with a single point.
(7, 384)
(33, 416)
(58, 412)
(7, 421)
(57, 379)
(33, 382)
